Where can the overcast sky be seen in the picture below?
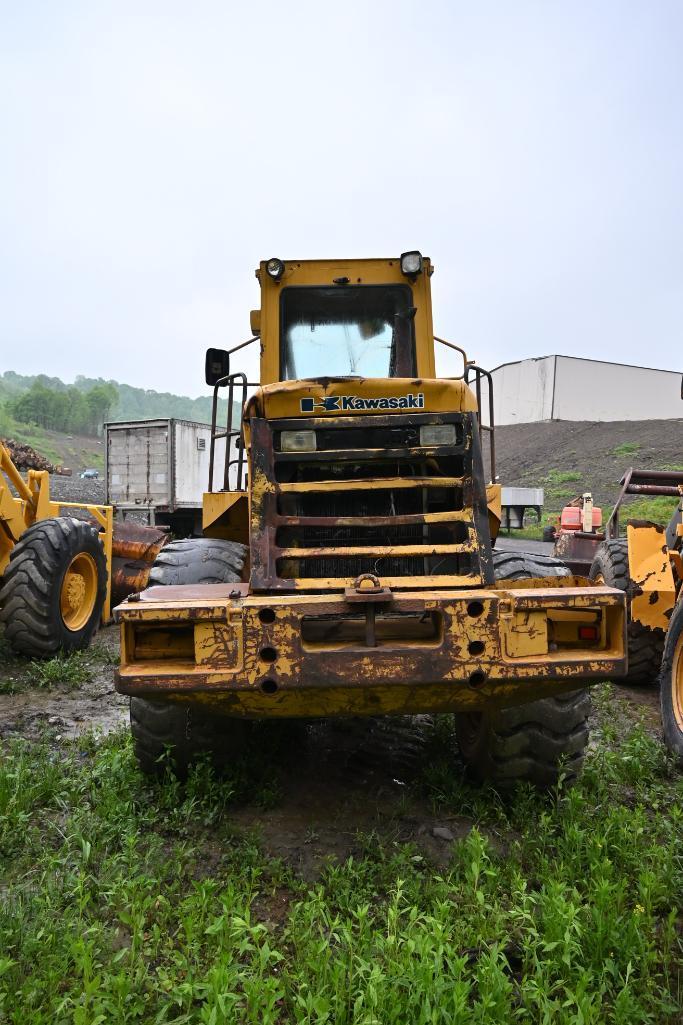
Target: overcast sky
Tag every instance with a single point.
(152, 153)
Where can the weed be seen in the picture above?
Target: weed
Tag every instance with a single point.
(627, 448)
(561, 477)
(554, 484)
(658, 509)
(129, 901)
(99, 652)
(72, 670)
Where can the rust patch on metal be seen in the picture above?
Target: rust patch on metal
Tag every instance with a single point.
(400, 670)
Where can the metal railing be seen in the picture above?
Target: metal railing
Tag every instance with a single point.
(232, 381)
(644, 482)
(469, 368)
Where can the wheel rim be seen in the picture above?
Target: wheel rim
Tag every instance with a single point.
(79, 591)
(599, 579)
(677, 683)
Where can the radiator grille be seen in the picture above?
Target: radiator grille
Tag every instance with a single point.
(331, 515)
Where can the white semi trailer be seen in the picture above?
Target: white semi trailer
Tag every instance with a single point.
(157, 471)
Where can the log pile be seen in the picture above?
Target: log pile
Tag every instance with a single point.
(25, 457)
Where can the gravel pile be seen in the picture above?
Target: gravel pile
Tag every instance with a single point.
(73, 489)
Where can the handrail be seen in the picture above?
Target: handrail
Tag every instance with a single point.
(452, 345)
(643, 482)
(238, 379)
(479, 372)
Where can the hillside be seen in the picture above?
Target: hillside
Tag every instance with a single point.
(568, 458)
(129, 403)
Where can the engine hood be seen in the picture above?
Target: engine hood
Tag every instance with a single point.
(349, 396)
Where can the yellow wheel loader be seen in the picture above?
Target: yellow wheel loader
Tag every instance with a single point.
(58, 572)
(671, 682)
(347, 564)
(647, 565)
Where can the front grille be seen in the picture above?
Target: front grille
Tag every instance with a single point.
(363, 502)
(323, 568)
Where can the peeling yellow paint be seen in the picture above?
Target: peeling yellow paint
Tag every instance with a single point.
(654, 589)
(238, 651)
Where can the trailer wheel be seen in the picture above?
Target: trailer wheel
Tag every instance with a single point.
(645, 646)
(534, 742)
(671, 685)
(54, 588)
(187, 731)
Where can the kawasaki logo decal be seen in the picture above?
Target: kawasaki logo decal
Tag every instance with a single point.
(339, 403)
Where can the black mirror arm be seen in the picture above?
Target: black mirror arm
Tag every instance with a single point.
(242, 344)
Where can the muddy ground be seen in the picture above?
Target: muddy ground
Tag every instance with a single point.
(337, 778)
(32, 708)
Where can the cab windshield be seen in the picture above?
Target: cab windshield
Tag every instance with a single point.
(346, 331)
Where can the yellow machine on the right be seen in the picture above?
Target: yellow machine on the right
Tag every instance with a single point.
(671, 676)
(648, 566)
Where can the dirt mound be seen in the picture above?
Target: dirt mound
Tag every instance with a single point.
(567, 458)
(25, 457)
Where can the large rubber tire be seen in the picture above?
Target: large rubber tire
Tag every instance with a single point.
(168, 734)
(187, 731)
(671, 685)
(201, 560)
(31, 593)
(525, 565)
(645, 646)
(535, 742)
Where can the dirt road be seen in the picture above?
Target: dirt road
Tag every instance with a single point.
(522, 544)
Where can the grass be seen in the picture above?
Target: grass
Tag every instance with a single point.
(71, 670)
(127, 901)
(27, 434)
(555, 485)
(92, 460)
(10, 663)
(533, 532)
(61, 671)
(627, 448)
(562, 476)
(658, 509)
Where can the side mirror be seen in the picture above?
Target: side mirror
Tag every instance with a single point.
(217, 366)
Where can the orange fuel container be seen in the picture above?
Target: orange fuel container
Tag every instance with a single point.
(571, 517)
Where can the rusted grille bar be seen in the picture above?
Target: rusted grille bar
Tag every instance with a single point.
(411, 524)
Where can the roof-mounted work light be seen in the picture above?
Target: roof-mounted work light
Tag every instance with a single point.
(411, 263)
(275, 268)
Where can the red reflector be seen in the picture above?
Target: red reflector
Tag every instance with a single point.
(588, 633)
